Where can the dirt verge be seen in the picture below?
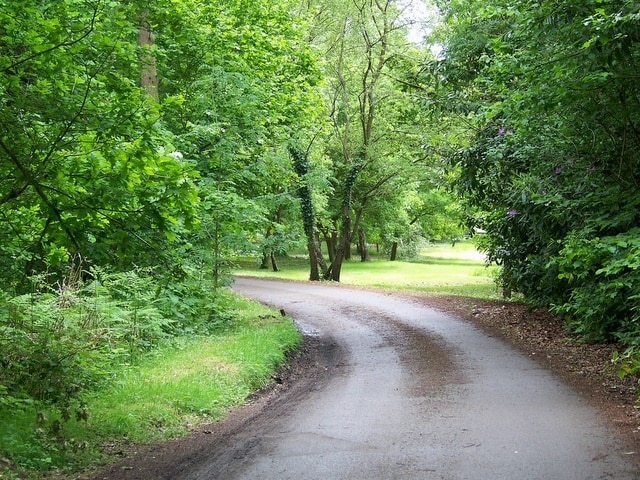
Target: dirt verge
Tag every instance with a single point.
(306, 370)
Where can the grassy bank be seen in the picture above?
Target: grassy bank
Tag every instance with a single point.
(440, 268)
(183, 383)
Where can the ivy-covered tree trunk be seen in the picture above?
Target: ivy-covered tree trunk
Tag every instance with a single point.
(301, 166)
(343, 246)
(344, 241)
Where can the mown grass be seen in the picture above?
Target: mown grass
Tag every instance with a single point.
(184, 383)
(441, 268)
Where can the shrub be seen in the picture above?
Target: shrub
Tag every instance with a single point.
(604, 276)
(62, 340)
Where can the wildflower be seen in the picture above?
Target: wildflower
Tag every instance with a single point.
(512, 213)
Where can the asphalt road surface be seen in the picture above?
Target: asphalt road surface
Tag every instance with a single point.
(392, 389)
(414, 393)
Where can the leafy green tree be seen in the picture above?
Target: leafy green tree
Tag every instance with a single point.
(553, 166)
(237, 82)
(365, 44)
(84, 167)
(136, 135)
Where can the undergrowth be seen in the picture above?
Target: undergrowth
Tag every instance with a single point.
(102, 356)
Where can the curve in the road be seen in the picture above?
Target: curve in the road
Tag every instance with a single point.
(419, 395)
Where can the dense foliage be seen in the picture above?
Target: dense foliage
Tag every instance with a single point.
(553, 166)
(85, 165)
(141, 147)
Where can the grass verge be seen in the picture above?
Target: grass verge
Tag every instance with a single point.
(184, 383)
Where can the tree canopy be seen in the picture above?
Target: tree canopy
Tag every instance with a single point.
(85, 166)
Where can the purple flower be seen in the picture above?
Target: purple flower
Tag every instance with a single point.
(558, 169)
(501, 131)
(512, 213)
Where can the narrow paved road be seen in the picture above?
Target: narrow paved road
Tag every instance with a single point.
(416, 394)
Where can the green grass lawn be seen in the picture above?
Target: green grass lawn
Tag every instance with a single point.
(441, 268)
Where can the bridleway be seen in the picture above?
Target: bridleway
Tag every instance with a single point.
(390, 388)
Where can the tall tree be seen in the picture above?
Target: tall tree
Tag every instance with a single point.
(360, 40)
(237, 81)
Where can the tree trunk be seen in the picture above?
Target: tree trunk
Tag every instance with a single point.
(342, 247)
(301, 166)
(394, 251)
(266, 254)
(347, 250)
(362, 242)
(148, 74)
(344, 243)
(330, 240)
(274, 262)
(314, 272)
